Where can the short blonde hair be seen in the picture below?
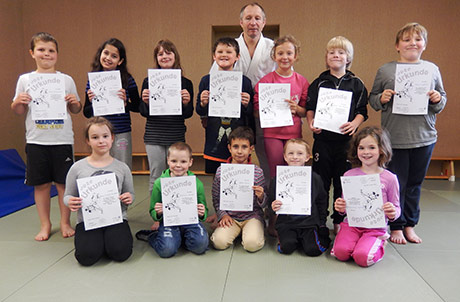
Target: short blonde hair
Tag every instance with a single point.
(298, 141)
(342, 43)
(412, 28)
(180, 146)
(285, 39)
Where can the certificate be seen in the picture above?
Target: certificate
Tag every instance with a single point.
(179, 200)
(47, 91)
(412, 83)
(105, 86)
(363, 196)
(101, 204)
(236, 181)
(332, 109)
(165, 97)
(274, 111)
(225, 94)
(293, 189)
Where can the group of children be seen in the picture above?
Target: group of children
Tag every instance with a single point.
(231, 140)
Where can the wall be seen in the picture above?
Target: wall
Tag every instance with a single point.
(80, 26)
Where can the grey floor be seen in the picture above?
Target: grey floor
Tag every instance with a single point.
(48, 271)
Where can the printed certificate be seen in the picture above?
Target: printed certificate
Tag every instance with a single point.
(165, 97)
(236, 181)
(273, 109)
(101, 205)
(105, 86)
(412, 83)
(225, 94)
(293, 189)
(332, 109)
(47, 91)
(363, 195)
(179, 200)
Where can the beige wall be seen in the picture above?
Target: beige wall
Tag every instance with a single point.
(80, 26)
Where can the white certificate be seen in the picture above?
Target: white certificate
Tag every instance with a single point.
(47, 91)
(236, 181)
(332, 109)
(105, 86)
(101, 205)
(225, 93)
(179, 200)
(274, 111)
(165, 97)
(293, 189)
(363, 196)
(412, 83)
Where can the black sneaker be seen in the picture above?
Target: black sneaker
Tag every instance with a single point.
(144, 235)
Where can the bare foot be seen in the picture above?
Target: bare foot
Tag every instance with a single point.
(155, 226)
(397, 237)
(44, 233)
(67, 231)
(213, 221)
(411, 236)
(336, 228)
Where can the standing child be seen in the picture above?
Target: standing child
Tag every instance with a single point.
(111, 55)
(49, 145)
(115, 241)
(330, 148)
(167, 240)
(225, 52)
(371, 149)
(413, 137)
(307, 231)
(285, 53)
(232, 223)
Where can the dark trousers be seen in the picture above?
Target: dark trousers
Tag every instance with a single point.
(309, 239)
(115, 241)
(410, 165)
(330, 162)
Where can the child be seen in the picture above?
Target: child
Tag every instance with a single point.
(371, 149)
(115, 241)
(285, 53)
(225, 52)
(111, 55)
(161, 131)
(167, 240)
(308, 231)
(49, 142)
(232, 223)
(330, 148)
(413, 137)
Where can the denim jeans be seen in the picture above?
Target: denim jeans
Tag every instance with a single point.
(168, 239)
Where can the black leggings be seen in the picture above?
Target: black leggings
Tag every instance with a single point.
(115, 241)
(310, 240)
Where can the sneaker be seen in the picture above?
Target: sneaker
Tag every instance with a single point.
(144, 235)
(279, 249)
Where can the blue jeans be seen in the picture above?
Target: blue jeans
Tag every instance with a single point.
(410, 165)
(168, 239)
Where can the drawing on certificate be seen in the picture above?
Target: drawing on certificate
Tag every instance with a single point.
(412, 83)
(48, 96)
(179, 199)
(105, 86)
(364, 202)
(225, 94)
(293, 189)
(236, 193)
(165, 91)
(274, 111)
(332, 109)
(101, 204)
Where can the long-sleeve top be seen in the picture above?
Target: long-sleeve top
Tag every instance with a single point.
(157, 197)
(166, 130)
(299, 88)
(348, 82)
(258, 205)
(319, 205)
(407, 131)
(121, 122)
(216, 142)
(82, 169)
